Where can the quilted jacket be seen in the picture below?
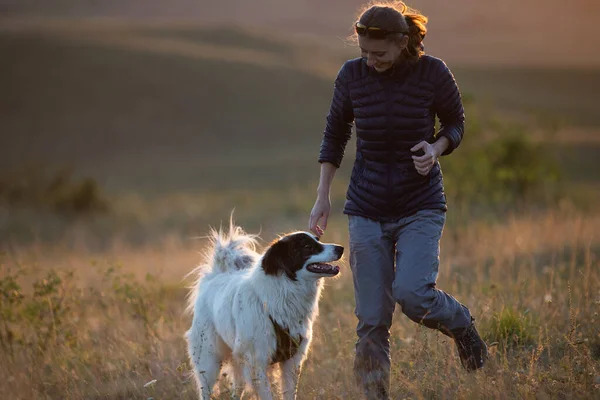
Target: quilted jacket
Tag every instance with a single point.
(392, 111)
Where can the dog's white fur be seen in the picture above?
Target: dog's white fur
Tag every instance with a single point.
(232, 302)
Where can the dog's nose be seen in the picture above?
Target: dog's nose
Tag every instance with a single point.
(339, 250)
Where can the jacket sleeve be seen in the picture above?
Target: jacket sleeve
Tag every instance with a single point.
(449, 108)
(340, 118)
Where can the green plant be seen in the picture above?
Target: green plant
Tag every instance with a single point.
(35, 318)
(501, 164)
(58, 191)
(510, 328)
(11, 298)
(140, 298)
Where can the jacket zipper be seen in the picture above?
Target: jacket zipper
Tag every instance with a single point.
(390, 142)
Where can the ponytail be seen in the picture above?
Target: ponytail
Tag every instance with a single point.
(416, 33)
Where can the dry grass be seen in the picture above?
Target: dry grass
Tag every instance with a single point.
(114, 322)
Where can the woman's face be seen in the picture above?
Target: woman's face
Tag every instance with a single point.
(381, 54)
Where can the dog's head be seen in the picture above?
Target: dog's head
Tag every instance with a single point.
(300, 254)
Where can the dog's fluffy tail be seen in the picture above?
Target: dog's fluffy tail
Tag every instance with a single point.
(226, 252)
(232, 251)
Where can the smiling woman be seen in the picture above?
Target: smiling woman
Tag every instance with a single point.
(395, 201)
(403, 36)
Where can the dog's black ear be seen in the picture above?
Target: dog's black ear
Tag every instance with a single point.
(277, 259)
(272, 261)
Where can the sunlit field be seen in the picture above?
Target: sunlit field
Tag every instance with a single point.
(164, 132)
(79, 324)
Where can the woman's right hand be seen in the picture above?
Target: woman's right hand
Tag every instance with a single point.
(319, 215)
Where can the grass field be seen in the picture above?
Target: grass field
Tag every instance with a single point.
(179, 127)
(102, 325)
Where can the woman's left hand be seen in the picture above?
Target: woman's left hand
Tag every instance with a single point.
(426, 161)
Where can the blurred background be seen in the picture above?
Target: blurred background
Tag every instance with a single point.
(146, 117)
(129, 127)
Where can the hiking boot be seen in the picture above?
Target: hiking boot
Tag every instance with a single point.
(472, 350)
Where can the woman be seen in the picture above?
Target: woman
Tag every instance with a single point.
(395, 201)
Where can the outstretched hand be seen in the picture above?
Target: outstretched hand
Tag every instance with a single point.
(319, 215)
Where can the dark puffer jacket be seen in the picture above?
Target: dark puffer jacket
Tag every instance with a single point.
(392, 112)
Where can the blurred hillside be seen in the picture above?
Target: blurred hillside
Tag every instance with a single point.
(178, 123)
(465, 32)
(180, 107)
(118, 113)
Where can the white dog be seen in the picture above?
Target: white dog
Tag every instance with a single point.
(253, 311)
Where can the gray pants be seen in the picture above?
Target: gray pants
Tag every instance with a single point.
(391, 263)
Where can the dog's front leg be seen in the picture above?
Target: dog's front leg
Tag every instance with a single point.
(290, 371)
(262, 385)
(257, 375)
(237, 378)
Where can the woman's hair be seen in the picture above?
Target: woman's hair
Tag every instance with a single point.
(395, 16)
